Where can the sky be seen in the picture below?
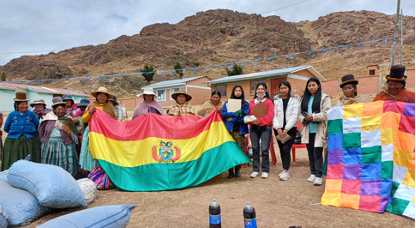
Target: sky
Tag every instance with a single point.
(30, 27)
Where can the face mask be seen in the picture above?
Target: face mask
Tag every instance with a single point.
(261, 96)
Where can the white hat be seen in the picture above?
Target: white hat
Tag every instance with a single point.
(147, 91)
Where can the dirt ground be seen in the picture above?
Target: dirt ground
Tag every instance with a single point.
(277, 203)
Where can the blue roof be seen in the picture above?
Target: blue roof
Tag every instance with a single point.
(269, 73)
(171, 82)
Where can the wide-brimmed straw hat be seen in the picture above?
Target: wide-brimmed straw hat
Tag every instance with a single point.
(102, 90)
(21, 96)
(38, 101)
(182, 91)
(147, 91)
(397, 73)
(348, 79)
(57, 101)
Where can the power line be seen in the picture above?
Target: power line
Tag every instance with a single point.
(287, 6)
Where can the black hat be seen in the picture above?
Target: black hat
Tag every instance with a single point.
(397, 73)
(349, 78)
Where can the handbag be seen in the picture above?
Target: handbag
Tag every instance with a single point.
(100, 178)
(284, 139)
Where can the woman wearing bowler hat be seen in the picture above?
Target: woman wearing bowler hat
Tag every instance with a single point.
(59, 138)
(349, 88)
(23, 137)
(396, 87)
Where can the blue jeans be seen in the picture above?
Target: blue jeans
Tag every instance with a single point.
(265, 134)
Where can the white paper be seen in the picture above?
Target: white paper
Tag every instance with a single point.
(233, 105)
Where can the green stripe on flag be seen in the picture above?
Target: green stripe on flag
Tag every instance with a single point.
(335, 127)
(171, 176)
(397, 206)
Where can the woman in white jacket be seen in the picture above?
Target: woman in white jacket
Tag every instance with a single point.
(286, 111)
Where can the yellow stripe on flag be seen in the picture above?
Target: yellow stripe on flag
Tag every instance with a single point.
(137, 153)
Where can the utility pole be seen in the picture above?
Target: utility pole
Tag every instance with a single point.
(393, 48)
(401, 38)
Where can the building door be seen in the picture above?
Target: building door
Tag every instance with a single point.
(274, 86)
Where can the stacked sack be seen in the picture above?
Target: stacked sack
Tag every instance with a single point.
(30, 190)
(33, 189)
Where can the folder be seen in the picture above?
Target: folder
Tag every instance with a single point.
(259, 110)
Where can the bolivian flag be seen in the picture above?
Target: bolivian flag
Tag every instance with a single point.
(156, 153)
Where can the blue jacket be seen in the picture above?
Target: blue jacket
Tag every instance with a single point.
(230, 125)
(18, 124)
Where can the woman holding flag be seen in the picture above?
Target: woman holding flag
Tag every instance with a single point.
(87, 162)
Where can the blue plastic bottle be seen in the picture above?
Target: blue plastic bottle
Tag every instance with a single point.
(214, 214)
(249, 216)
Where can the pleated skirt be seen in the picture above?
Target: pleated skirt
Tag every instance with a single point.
(17, 149)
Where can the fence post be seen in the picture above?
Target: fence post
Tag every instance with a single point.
(339, 83)
(135, 101)
(380, 81)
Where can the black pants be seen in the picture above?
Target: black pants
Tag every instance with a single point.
(265, 134)
(286, 148)
(315, 156)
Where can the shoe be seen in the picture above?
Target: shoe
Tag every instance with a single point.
(318, 181)
(254, 174)
(264, 175)
(230, 173)
(312, 178)
(237, 173)
(281, 173)
(285, 176)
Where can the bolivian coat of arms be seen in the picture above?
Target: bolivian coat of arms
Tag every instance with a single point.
(165, 152)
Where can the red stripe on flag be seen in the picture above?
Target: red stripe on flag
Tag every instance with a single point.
(151, 125)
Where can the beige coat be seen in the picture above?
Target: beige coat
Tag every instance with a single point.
(321, 136)
(348, 100)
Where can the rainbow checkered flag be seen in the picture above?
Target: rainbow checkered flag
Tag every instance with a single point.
(371, 157)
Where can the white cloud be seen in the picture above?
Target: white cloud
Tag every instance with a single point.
(27, 26)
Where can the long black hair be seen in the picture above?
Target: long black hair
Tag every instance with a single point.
(16, 103)
(265, 88)
(215, 92)
(242, 93)
(286, 83)
(316, 105)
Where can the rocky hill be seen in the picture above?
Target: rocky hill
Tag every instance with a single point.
(221, 36)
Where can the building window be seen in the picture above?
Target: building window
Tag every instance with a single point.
(372, 72)
(254, 85)
(161, 95)
(174, 90)
(222, 89)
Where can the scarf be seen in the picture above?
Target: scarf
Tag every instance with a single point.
(207, 108)
(143, 108)
(182, 110)
(40, 114)
(65, 125)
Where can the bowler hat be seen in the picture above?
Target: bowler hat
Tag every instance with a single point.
(102, 90)
(346, 79)
(57, 101)
(182, 91)
(397, 73)
(21, 96)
